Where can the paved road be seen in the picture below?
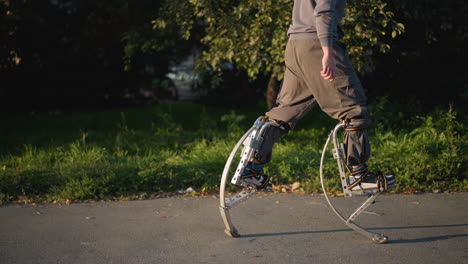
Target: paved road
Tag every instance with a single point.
(276, 228)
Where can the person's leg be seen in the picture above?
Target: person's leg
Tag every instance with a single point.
(343, 99)
(293, 102)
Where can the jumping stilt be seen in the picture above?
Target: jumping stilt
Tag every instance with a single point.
(338, 154)
(251, 142)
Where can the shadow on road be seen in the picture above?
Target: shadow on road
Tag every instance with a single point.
(420, 226)
(423, 239)
(415, 240)
(295, 233)
(426, 239)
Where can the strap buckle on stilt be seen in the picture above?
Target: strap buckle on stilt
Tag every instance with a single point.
(254, 173)
(355, 125)
(358, 180)
(382, 184)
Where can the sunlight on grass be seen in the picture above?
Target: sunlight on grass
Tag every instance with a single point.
(78, 156)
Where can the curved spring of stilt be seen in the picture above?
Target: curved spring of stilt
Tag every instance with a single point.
(376, 238)
(223, 207)
(252, 141)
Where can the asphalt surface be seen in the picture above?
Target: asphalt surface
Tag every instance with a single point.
(275, 228)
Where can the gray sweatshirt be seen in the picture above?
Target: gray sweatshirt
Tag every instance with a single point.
(319, 18)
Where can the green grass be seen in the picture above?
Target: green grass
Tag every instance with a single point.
(58, 156)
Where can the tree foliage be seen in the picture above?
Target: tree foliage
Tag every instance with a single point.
(252, 34)
(82, 52)
(369, 26)
(427, 64)
(79, 53)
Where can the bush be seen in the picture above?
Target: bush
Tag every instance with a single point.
(163, 148)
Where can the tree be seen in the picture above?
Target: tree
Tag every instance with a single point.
(81, 53)
(428, 65)
(252, 34)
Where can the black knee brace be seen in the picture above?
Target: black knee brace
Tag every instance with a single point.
(270, 136)
(353, 125)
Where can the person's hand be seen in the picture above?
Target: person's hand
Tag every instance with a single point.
(328, 64)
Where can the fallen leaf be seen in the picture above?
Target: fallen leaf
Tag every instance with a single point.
(409, 190)
(295, 186)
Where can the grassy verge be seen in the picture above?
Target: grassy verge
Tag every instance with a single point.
(102, 155)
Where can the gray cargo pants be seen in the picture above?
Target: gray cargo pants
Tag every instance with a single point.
(303, 86)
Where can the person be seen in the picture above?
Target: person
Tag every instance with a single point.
(319, 71)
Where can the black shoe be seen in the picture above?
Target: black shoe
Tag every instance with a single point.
(366, 180)
(253, 176)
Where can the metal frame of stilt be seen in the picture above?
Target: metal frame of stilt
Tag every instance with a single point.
(338, 154)
(252, 140)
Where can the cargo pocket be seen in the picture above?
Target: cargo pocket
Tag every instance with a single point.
(356, 93)
(343, 81)
(351, 96)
